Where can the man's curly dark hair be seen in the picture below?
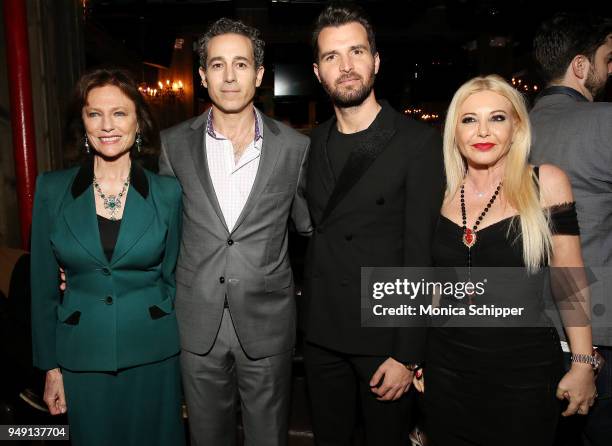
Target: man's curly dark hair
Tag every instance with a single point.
(229, 26)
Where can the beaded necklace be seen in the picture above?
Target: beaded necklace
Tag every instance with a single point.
(469, 235)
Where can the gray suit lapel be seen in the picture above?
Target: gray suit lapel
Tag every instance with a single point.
(272, 144)
(196, 141)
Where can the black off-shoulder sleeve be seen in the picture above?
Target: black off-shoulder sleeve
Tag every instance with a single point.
(563, 219)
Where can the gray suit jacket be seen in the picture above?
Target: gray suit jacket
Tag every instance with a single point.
(577, 136)
(250, 264)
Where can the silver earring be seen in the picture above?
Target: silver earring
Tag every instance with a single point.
(87, 151)
(138, 141)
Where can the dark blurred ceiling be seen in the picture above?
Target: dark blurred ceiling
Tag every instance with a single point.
(404, 17)
(436, 22)
(443, 39)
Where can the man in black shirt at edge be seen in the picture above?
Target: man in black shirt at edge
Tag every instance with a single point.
(374, 189)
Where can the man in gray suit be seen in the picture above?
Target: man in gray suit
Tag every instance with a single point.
(575, 55)
(242, 175)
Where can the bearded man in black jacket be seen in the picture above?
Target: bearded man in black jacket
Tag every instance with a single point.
(374, 189)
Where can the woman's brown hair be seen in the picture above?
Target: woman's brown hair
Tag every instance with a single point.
(122, 79)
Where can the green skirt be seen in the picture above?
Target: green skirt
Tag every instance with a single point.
(136, 406)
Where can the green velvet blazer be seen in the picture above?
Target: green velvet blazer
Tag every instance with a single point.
(114, 314)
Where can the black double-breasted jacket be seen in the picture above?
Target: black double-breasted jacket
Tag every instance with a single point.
(381, 211)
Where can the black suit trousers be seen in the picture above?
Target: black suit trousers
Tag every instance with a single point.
(341, 400)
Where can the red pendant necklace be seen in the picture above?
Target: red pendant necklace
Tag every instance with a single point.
(469, 235)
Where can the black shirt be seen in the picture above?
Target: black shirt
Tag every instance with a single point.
(109, 231)
(340, 146)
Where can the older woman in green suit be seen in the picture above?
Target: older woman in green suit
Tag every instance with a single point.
(109, 343)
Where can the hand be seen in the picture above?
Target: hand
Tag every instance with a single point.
(396, 380)
(54, 392)
(62, 279)
(419, 380)
(578, 387)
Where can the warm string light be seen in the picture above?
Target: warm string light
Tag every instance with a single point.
(523, 86)
(418, 113)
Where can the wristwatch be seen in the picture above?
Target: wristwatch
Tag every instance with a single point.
(412, 367)
(594, 360)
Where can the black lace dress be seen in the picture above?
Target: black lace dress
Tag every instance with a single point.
(493, 386)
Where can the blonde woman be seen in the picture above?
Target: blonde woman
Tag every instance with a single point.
(502, 386)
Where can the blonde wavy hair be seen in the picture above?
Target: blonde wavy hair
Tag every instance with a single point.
(520, 187)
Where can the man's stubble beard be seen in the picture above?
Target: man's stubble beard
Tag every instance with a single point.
(352, 97)
(594, 84)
